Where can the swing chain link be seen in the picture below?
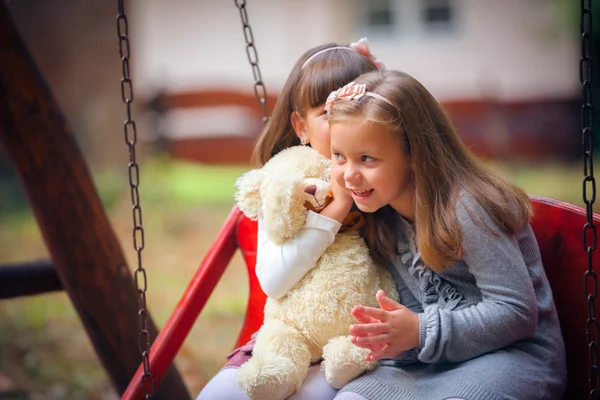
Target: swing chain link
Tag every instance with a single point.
(589, 183)
(130, 133)
(260, 91)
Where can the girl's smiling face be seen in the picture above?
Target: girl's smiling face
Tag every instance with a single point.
(372, 165)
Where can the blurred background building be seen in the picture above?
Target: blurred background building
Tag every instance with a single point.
(502, 69)
(506, 71)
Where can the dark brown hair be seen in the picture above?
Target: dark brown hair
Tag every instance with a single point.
(306, 88)
(443, 169)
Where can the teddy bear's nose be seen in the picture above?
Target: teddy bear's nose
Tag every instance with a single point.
(311, 189)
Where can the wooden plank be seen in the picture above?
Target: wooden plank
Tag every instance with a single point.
(226, 150)
(210, 98)
(24, 279)
(80, 240)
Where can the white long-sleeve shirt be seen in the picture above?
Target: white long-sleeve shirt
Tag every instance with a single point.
(280, 267)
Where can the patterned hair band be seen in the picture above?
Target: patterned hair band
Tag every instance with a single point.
(352, 91)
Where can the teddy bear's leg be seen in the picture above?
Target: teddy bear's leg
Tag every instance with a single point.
(279, 363)
(343, 361)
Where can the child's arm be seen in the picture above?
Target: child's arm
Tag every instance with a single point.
(508, 311)
(280, 267)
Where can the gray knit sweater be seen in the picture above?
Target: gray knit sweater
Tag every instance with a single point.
(488, 324)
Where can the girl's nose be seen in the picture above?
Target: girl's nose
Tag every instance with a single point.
(351, 174)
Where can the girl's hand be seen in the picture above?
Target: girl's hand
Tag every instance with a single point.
(365, 319)
(388, 331)
(342, 202)
(340, 193)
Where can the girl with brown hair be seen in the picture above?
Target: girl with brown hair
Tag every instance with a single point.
(476, 319)
(299, 119)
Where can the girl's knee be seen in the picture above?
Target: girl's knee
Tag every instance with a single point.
(223, 386)
(315, 386)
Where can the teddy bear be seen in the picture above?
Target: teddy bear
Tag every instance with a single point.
(311, 322)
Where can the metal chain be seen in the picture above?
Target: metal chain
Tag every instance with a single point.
(130, 132)
(592, 330)
(260, 92)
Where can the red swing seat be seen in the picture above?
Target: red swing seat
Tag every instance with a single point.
(557, 225)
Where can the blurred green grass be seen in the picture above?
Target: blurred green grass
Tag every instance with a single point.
(558, 181)
(169, 182)
(44, 346)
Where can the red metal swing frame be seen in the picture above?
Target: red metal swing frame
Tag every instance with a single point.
(557, 226)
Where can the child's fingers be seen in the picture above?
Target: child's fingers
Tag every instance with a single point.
(373, 339)
(383, 352)
(364, 319)
(372, 312)
(371, 347)
(386, 303)
(375, 355)
(367, 329)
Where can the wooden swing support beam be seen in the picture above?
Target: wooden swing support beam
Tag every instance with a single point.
(85, 251)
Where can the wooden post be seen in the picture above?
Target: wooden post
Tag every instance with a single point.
(87, 255)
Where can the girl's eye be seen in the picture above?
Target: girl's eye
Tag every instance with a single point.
(338, 157)
(367, 158)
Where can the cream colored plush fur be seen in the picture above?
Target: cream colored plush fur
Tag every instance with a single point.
(311, 322)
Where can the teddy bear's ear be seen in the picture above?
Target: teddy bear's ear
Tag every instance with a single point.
(247, 194)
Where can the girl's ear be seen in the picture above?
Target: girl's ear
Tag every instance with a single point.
(299, 125)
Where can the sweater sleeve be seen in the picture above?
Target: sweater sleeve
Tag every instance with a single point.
(280, 267)
(508, 311)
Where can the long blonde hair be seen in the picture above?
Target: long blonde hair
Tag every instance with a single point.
(443, 169)
(306, 88)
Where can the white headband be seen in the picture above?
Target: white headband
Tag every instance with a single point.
(309, 59)
(361, 47)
